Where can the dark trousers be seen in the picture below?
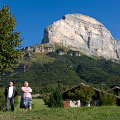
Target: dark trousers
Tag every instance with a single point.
(10, 102)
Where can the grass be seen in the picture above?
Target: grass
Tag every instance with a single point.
(38, 58)
(42, 57)
(57, 46)
(42, 112)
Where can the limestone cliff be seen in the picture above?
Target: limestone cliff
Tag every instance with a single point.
(83, 33)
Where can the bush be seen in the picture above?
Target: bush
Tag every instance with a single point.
(46, 99)
(60, 50)
(107, 99)
(2, 100)
(70, 52)
(54, 100)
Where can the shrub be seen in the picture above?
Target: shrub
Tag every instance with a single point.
(54, 100)
(60, 50)
(2, 100)
(107, 99)
(70, 52)
(46, 99)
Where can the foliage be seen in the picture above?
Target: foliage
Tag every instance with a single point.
(60, 50)
(69, 71)
(48, 89)
(46, 99)
(70, 52)
(9, 41)
(83, 93)
(2, 100)
(55, 99)
(56, 46)
(48, 92)
(107, 99)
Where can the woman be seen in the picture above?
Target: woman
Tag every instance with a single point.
(26, 97)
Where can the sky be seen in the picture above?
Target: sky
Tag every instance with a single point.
(33, 16)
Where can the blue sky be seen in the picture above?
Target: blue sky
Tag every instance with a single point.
(33, 16)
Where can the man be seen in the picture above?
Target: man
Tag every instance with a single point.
(10, 93)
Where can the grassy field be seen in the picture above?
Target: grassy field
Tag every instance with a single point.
(42, 112)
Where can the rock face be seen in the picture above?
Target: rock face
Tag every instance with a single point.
(38, 49)
(83, 33)
(117, 46)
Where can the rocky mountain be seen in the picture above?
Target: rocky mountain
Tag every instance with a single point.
(54, 62)
(38, 49)
(85, 34)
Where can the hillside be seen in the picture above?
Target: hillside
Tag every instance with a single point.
(67, 69)
(76, 49)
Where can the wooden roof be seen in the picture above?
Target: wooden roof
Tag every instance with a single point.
(116, 87)
(81, 84)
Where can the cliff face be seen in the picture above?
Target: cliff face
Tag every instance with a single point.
(38, 49)
(83, 33)
(117, 46)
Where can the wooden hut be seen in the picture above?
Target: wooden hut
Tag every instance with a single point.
(95, 98)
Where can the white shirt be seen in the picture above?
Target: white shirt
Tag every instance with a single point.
(10, 92)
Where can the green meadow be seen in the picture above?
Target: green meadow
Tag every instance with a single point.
(42, 112)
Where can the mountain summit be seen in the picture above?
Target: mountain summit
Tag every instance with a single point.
(83, 33)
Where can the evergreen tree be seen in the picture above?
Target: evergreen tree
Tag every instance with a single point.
(55, 99)
(9, 41)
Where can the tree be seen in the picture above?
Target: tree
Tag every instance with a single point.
(107, 99)
(55, 99)
(10, 41)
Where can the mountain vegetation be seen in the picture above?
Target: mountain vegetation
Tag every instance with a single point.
(65, 70)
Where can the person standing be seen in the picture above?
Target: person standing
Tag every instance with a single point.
(10, 94)
(26, 97)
